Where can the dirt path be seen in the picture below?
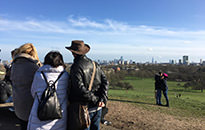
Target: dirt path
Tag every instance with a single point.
(129, 117)
(124, 116)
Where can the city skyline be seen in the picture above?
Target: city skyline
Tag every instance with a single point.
(185, 60)
(181, 60)
(136, 30)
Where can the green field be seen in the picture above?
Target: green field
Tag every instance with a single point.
(190, 104)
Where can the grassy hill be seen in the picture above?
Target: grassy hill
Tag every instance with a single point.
(190, 104)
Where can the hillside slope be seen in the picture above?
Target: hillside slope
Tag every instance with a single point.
(128, 116)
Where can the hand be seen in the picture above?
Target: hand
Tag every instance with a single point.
(101, 104)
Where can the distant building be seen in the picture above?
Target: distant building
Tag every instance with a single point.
(185, 60)
(116, 61)
(172, 61)
(121, 58)
(180, 61)
(131, 62)
(201, 61)
(126, 62)
(121, 61)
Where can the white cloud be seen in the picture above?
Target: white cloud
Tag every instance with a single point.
(187, 42)
(149, 49)
(107, 27)
(110, 36)
(84, 22)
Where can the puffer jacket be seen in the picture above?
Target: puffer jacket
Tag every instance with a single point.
(38, 86)
(80, 76)
(22, 73)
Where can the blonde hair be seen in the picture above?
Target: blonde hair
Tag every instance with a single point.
(28, 48)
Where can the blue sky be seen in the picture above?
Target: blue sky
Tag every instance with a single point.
(134, 29)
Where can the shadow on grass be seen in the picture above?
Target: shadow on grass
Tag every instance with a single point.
(137, 102)
(184, 90)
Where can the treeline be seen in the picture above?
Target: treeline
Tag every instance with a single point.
(194, 76)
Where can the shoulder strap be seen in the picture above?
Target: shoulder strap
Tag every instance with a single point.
(55, 80)
(52, 84)
(93, 75)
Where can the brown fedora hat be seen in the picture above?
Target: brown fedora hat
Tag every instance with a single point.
(78, 47)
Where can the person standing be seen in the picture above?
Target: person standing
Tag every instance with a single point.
(165, 88)
(158, 83)
(52, 68)
(80, 76)
(7, 78)
(24, 66)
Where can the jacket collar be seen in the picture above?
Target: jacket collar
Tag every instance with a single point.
(26, 56)
(79, 57)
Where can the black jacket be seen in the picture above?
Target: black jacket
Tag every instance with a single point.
(164, 84)
(80, 76)
(158, 83)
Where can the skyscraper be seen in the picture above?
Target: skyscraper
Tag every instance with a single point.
(185, 60)
(180, 61)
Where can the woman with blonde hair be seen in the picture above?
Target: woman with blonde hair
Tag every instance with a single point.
(24, 66)
(28, 48)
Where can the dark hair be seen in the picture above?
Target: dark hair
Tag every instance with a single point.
(54, 58)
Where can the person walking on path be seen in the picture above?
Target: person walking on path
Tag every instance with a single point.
(53, 67)
(80, 76)
(24, 66)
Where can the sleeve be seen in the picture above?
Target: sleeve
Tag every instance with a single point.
(164, 84)
(9, 90)
(104, 87)
(34, 84)
(78, 86)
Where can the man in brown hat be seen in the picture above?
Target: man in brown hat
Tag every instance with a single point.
(80, 76)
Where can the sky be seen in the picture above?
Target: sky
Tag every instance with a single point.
(138, 30)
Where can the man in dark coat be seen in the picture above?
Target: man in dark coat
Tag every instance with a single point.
(80, 77)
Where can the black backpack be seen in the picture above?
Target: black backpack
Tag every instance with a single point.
(49, 107)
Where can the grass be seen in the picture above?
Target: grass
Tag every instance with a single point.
(190, 104)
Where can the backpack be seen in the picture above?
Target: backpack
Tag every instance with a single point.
(49, 107)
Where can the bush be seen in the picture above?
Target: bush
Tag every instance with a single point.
(124, 85)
